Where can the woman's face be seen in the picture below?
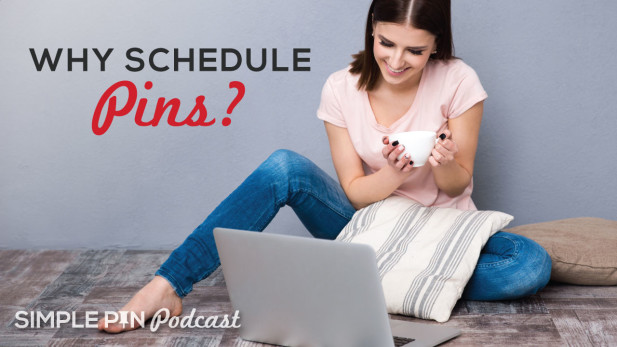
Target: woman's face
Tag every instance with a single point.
(401, 51)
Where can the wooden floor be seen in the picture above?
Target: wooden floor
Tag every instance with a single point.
(81, 281)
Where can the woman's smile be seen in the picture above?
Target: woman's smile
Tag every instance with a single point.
(393, 71)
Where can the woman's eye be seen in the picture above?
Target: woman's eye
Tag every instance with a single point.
(388, 44)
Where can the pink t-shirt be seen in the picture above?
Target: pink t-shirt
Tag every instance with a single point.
(446, 90)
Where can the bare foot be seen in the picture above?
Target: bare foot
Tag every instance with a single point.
(152, 297)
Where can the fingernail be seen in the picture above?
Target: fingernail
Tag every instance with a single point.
(395, 143)
(442, 136)
(411, 162)
(406, 156)
(383, 138)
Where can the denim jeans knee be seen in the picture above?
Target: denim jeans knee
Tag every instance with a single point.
(289, 174)
(280, 163)
(540, 270)
(511, 266)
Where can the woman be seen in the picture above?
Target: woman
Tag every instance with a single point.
(405, 79)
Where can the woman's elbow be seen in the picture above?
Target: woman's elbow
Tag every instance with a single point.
(453, 192)
(455, 189)
(358, 205)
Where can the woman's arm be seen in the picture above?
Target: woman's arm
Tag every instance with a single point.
(363, 190)
(453, 158)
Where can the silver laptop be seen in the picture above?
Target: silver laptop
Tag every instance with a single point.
(298, 291)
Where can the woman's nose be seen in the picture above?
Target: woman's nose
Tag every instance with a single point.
(396, 60)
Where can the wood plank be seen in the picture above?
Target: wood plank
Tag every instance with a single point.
(203, 296)
(561, 290)
(529, 305)
(570, 328)
(126, 340)
(26, 273)
(16, 263)
(80, 276)
(34, 338)
(133, 268)
(500, 330)
(581, 303)
(215, 279)
(231, 338)
(9, 257)
(93, 263)
(23, 292)
(13, 336)
(186, 341)
(69, 287)
(68, 290)
(7, 313)
(106, 339)
(601, 326)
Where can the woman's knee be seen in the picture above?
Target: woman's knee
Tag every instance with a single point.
(531, 267)
(283, 162)
(537, 265)
(282, 172)
(521, 268)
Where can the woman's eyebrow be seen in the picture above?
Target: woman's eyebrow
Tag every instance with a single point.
(381, 37)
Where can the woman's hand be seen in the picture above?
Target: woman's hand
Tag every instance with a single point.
(364, 189)
(391, 151)
(444, 151)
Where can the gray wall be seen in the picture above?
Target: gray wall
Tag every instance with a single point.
(547, 148)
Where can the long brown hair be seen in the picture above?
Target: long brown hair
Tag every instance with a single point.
(430, 15)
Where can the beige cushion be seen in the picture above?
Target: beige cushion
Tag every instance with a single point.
(583, 250)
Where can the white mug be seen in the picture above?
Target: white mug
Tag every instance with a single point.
(418, 144)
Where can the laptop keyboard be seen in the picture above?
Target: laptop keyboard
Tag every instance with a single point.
(401, 341)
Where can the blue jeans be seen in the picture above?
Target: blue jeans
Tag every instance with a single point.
(510, 266)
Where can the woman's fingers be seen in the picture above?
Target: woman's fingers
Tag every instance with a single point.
(392, 158)
(408, 164)
(432, 160)
(447, 133)
(448, 145)
(405, 164)
(443, 153)
(391, 152)
(445, 149)
(388, 147)
(435, 153)
(400, 164)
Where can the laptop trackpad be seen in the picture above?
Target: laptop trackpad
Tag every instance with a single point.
(423, 334)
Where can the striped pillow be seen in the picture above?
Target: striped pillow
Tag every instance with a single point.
(425, 255)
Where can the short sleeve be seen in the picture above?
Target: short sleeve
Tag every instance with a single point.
(330, 106)
(468, 92)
